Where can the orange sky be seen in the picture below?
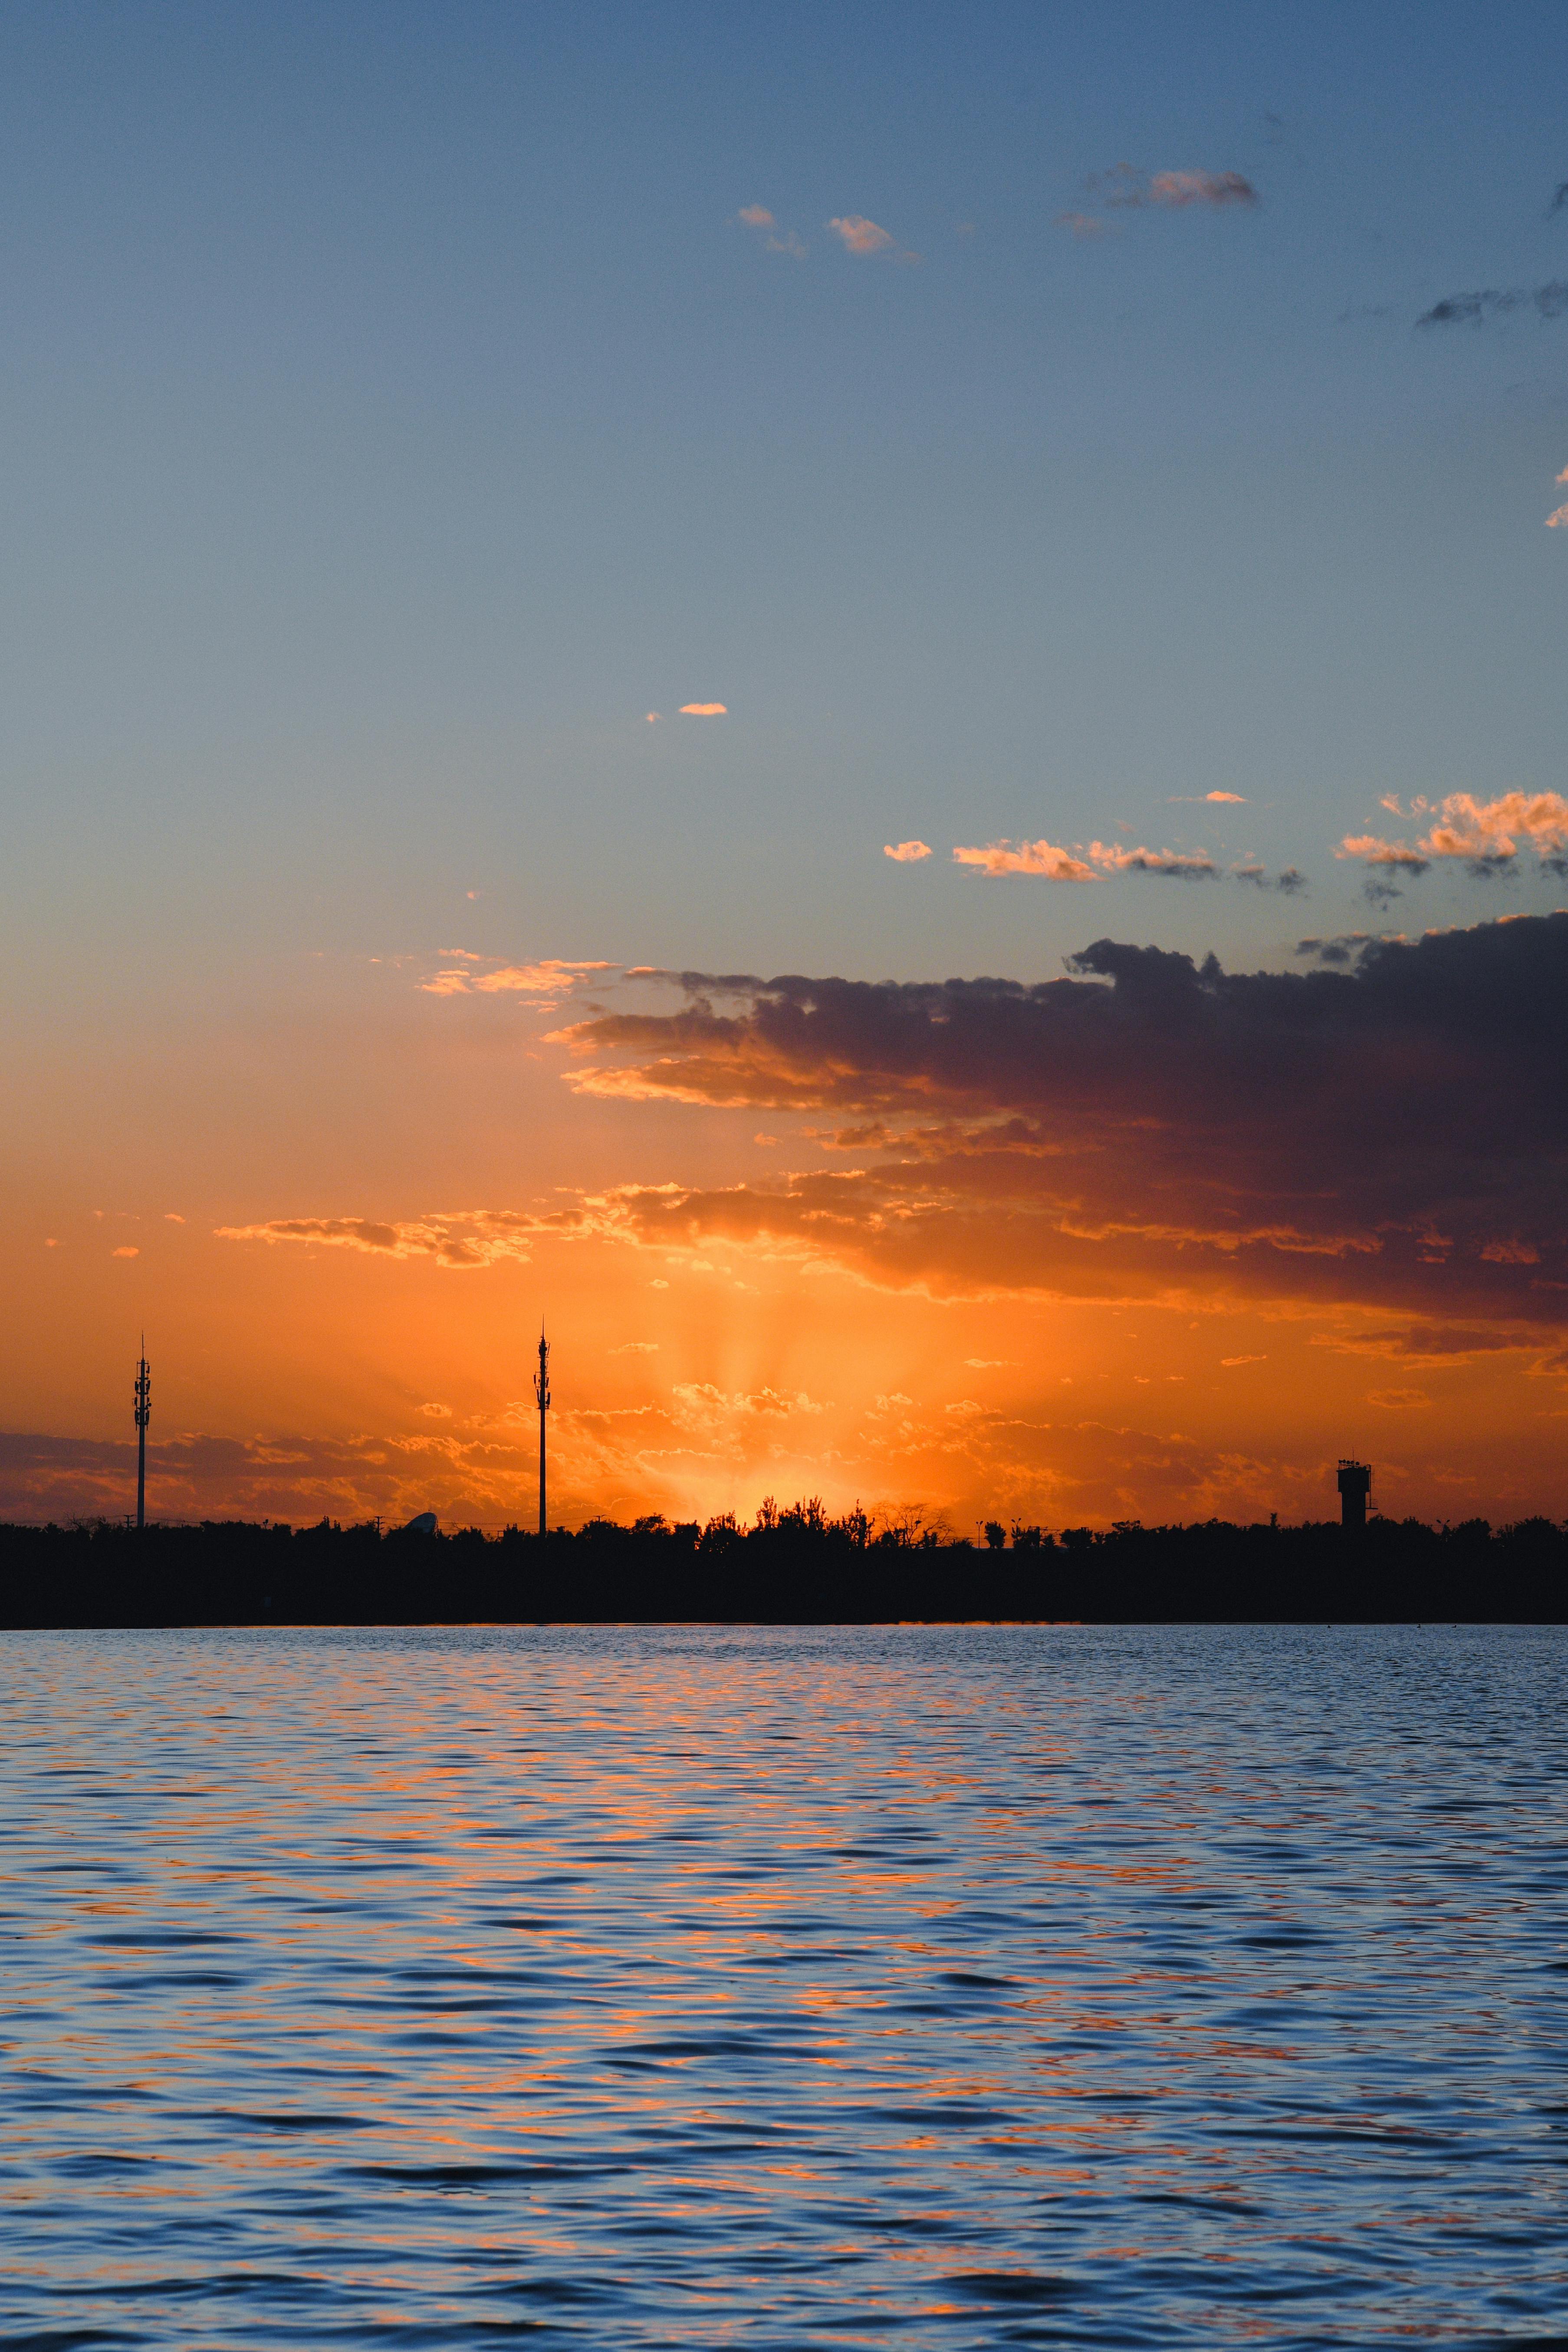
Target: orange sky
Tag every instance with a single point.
(773, 1262)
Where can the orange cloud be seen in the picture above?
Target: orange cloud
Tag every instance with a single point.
(127, 1249)
(465, 1241)
(1559, 521)
(1238, 798)
(905, 853)
(703, 711)
(860, 235)
(1374, 851)
(776, 240)
(1039, 858)
(549, 977)
(1488, 833)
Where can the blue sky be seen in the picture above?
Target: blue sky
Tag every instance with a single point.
(395, 410)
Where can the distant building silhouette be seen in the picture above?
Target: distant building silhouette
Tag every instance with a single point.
(541, 1391)
(1355, 1484)
(143, 1415)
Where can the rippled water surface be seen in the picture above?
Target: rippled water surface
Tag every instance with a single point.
(685, 1987)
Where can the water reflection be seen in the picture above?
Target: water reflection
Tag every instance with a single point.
(693, 1988)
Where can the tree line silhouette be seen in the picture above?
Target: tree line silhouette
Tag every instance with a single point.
(794, 1564)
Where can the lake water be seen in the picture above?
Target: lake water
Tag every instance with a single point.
(694, 1987)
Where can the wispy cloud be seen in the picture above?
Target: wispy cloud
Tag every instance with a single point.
(549, 978)
(861, 235)
(1292, 880)
(774, 239)
(1183, 866)
(1213, 188)
(1474, 310)
(1128, 188)
(905, 853)
(1040, 857)
(1559, 522)
(1099, 860)
(704, 710)
(465, 1240)
(1560, 201)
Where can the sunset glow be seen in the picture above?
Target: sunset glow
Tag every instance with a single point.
(888, 1093)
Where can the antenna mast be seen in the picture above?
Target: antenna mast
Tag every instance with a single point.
(143, 1415)
(541, 1391)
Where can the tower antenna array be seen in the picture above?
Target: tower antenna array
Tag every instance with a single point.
(541, 1391)
(143, 1415)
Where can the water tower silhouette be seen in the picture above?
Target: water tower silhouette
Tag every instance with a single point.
(1355, 1484)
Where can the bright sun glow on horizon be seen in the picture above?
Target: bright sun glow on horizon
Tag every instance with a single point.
(1082, 1045)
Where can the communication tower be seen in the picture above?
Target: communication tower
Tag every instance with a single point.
(541, 1391)
(143, 1415)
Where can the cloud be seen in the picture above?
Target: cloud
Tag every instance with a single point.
(1398, 1399)
(1558, 520)
(905, 853)
(1488, 835)
(438, 1411)
(1213, 188)
(1476, 309)
(704, 710)
(549, 977)
(1079, 863)
(127, 1249)
(1148, 1127)
(1027, 857)
(1290, 879)
(636, 1348)
(1126, 188)
(1238, 798)
(1560, 201)
(1084, 225)
(1345, 950)
(1394, 856)
(465, 1240)
(862, 236)
(774, 239)
(1228, 1363)
(1187, 868)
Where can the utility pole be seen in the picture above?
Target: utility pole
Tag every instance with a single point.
(144, 1414)
(541, 1391)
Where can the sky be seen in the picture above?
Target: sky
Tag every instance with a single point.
(867, 700)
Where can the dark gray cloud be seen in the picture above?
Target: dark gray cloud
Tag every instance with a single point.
(1395, 1131)
(1474, 310)
(1560, 201)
